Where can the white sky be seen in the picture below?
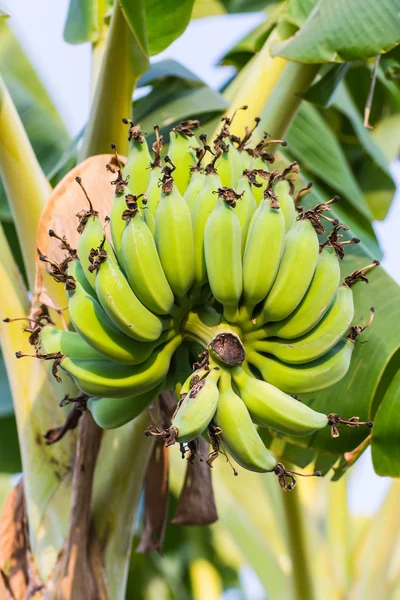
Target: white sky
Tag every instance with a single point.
(65, 71)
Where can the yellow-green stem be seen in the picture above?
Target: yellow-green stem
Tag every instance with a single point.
(300, 553)
(113, 97)
(339, 533)
(26, 186)
(285, 99)
(262, 77)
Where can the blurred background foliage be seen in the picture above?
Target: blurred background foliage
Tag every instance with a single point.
(339, 154)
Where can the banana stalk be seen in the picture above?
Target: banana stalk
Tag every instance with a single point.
(26, 186)
(272, 89)
(121, 466)
(47, 476)
(123, 63)
(300, 551)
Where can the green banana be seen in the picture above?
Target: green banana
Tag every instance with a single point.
(153, 197)
(245, 207)
(103, 378)
(94, 326)
(316, 302)
(196, 185)
(143, 268)
(153, 191)
(238, 433)
(320, 339)
(202, 208)
(282, 190)
(296, 270)
(174, 237)
(110, 413)
(136, 170)
(223, 253)
(121, 304)
(53, 340)
(271, 407)
(75, 270)
(91, 237)
(182, 141)
(310, 377)
(263, 252)
(197, 409)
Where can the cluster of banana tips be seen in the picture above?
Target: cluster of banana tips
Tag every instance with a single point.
(206, 245)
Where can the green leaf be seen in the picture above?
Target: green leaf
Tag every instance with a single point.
(345, 104)
(165, 22)
(4, 15)
(360, 392)
(386, 135)
(168, 68)
(316, 147)
(386, 432)
(374, 175)
(297, 11)
(342, 31)
(244, 6)
(154, 24)
(323, 91)
(177, 94)
(84, 21)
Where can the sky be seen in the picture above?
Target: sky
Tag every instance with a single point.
(65, 70)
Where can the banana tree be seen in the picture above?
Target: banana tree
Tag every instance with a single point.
(322, 79)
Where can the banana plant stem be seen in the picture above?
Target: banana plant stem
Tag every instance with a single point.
(303, 584)
(113, 97)
(26, 186)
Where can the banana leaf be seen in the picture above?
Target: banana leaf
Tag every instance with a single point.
(341, 31)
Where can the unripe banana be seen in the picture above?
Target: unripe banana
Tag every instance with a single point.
(310, 377)
(202, 208)
(196, 185)
(153, 197)
(238, 433)
(197, 409)
(92, 323)
(263, 252)
(182, 141)
(174, 239)
(317, 300)
(110, 413)
(91, 237)
(143, 267)
(223, 253)
(271, 407)
(317, 342)
(153, 191)
(296, 270)
(282, 190)
(122, 306)
(245, 207)
(230, 165)
(53, 340)
(75, 270)
(108, 379)
(139, 158)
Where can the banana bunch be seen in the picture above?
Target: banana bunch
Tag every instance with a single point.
(207, 251)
